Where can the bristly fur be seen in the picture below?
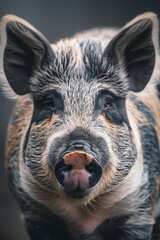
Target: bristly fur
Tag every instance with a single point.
(100, 87)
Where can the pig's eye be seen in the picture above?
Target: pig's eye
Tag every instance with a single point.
(43, 110)
(112, 107)
(108, 102)
(46, 106)
(105, 102)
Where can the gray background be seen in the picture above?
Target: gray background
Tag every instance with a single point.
(56, 19)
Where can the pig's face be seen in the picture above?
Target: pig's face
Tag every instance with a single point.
(79, 143)
(79, 139)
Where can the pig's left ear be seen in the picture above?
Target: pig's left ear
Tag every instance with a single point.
(23, 51)
(133, 51)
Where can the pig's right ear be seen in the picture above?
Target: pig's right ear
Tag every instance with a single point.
(133, 51)
(23, 51)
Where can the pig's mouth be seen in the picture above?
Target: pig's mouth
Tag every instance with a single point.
(77, 193)
(78, 172)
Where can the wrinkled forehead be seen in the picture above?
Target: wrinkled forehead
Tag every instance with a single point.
(78, 70)
(77, 59)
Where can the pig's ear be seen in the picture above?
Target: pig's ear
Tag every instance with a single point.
(23, 51)
(133, 51)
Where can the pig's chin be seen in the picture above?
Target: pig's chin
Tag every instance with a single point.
(76, 193)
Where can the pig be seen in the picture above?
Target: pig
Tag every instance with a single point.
(82, 150)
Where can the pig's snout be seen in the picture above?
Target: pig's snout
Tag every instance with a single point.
(78, 171)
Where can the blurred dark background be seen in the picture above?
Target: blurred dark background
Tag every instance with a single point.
(56, 19)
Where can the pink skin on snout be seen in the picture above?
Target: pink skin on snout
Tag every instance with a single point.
(78, 176)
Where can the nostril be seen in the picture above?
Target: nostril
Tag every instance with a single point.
(60, 170)
(95, 171)
(90, 168)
